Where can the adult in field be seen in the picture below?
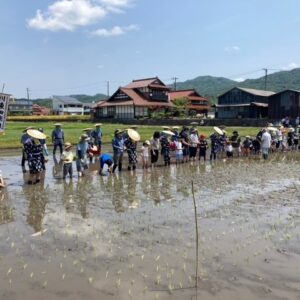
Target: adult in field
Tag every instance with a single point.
(118, 148)
(58, 138)
(81, 153)
(106, 161)
(184, 134)
(97, 135)
(266, 141)
(154, 147)
(24, 139)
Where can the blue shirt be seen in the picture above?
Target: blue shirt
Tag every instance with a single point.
(82, 148)
(97, 135)
(58, 134)
(118, 145)
(104, 158)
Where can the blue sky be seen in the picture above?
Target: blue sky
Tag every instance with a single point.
(70, 47)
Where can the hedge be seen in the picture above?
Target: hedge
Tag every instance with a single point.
(65, 118)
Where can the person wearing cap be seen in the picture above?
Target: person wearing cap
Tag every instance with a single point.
(81, 153)
(35, 156)
(97, 135)
(145, 154)
(106, 161)
(154, 148)
(58, 138)
(203, 146)
(131, 146)
(25, 138)
(67, 158)
(118, 149)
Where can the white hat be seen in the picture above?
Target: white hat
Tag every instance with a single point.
(134, 135)
(36, 134)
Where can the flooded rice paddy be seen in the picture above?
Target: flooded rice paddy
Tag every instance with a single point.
(132, 235)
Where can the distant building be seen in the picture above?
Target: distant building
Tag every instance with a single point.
(243, 103)
(65, 105)
(88, 108)
(138, 99)
(284, 104)
(197, 104)
(38, 110)
(20, 107)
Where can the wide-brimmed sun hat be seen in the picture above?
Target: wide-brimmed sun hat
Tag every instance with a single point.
(87, 129)
(134, 135)
(118, 131)
(36, 134)
(247, 136)
(57, 124)
(98, 124)
(28, 128)
(84, 137)
(218, 130)
(168, 132)
(133, 127)
(175, 127)
(68, 145)
(166, 128)
(147, 142)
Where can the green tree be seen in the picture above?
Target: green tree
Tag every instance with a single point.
(180, 106)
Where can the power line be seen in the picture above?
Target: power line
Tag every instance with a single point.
(175, 82)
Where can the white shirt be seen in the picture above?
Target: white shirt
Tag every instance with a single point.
(229, 148)
(178, 147)
(266, 140)
(145, 151)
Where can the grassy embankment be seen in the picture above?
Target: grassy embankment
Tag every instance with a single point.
(73, 130)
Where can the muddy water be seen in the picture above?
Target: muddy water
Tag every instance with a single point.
(132, 235)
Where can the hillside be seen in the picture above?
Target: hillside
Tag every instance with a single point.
(211, 87)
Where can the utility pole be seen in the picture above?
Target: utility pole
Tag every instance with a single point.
(107, 87)
(28, 90)
(175, 82)
(266, 78)
(3, 86)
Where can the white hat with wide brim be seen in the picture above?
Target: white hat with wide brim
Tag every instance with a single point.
(134, 135)
(270, 128)
(168, 132)
(36, 134)
(218, 130)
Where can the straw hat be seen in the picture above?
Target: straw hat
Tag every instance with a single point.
(247, 136)
(166, 128)
(98, 124)
(84, 137)
(87, 129)
(272, 128)
(175, 127)
(133, 127)
(218, 130)
(168, 132)
(118, 131)
(68, 145)
(134, 135)
(28, 128)
(57, 124)
(147, 142)
(36, 134)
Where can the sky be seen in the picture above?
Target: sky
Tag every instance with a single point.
(62, 47)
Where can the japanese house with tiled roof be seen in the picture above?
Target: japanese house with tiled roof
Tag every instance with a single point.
(243, 103)
(196, 103)
(136, 100)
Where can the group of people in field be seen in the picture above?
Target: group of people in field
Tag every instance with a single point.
(179, 144)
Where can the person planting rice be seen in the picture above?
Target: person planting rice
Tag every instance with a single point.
(24, 139)
(265, 143)
(179, 151)
(184, 134)
(229, 150)
(194, 142)
(97, 135)
(106, 164)
(35, 156)
(247, 146)
(165, 146)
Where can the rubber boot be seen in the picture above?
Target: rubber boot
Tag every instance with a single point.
(120, 167)
(133, 167)
(114, 168)
(129, 168)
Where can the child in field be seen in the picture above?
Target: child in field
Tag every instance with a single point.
(145, 154)
(67, 158)
(203, 145)
(179, 151)
(229, 150)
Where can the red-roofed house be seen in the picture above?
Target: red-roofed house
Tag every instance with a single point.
(196, 104)
(137, 99)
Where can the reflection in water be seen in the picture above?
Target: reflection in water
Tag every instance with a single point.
(38, 199)
(131, 195)
(57, 169)
(83, 196)
(118, 193)
(6, 214)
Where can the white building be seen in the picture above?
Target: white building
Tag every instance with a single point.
(65, 105)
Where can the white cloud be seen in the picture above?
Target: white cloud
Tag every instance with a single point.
(240, 79)
(290, 66)
(115, 31)
(71, 14)
(232, 49)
